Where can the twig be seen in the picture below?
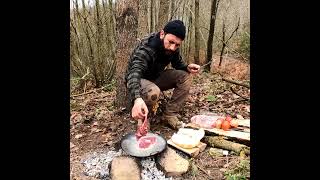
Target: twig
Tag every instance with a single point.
(205, 172)
(206, 64)
(235, 82)
(94, 90)
(82, 94)
(236, 101)
(232, 90)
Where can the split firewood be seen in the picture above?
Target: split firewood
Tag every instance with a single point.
(216, 141)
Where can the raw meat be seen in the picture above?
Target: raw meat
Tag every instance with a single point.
(145, 142)
(205, 121)
(143, 129)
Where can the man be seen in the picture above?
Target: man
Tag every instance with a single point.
(146, 75)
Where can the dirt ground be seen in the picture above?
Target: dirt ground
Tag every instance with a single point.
(95, 124)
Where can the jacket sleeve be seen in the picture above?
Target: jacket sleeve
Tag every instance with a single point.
(137, 66)
(178, 63)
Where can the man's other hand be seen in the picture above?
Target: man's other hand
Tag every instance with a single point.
(193, 68)
(139, 109)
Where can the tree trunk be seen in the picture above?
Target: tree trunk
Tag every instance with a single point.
(223, 42)
(214, 7)
(171, 9)
(190, 25)
(143, 19)
(163, 14)
(99, 44)
(196, 32)
(150, 15)
(126, 27)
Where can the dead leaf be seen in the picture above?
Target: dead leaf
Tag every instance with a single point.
(72, 145)
(76, 117)
(247, 108)
(95, 123)
(94, 129)
(235, 96)
(79, 136)
(239, 116)
(109, 143)
(74, 149)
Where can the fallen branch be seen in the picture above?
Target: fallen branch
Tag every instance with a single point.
(218, 142)
(235, 82)
(232, 90)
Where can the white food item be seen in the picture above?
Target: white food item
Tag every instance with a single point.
(188, 138)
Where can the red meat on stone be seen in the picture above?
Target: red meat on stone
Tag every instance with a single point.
(146, 142)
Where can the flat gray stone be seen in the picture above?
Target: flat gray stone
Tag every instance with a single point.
(172, 163)
(124, 168)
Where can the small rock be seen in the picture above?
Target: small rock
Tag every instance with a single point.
(124, 168)
(172, 163)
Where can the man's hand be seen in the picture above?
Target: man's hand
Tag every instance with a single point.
(139, 109)
(193, 68)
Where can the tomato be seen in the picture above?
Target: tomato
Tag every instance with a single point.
(228, 118)
(218, 123)
(234, 123)
(225, 125)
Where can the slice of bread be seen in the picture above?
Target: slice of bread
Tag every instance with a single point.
(188, 138)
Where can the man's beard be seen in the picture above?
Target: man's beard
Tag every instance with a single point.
(166, 51)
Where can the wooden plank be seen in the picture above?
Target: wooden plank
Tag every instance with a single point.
(244, 122)
(202, 146)
(230, 133)
(193, 152)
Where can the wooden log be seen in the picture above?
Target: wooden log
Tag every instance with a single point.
(216, 141)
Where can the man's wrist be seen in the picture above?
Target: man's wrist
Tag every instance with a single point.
(138, 99)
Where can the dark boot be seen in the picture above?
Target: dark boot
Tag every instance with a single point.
(181, 81)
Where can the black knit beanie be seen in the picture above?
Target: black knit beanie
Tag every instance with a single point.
(177, 28)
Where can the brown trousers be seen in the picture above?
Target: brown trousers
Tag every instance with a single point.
(178, 79)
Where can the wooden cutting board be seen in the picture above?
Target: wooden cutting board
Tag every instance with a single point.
(243, 135)
(193, 152)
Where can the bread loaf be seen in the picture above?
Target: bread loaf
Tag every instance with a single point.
(188, 138)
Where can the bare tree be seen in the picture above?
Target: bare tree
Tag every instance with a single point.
(163, 14)
(150, 15)
(126, 27)
(171, 9)
(196, 32)
(143, 19)
(225, 42)
(214, 8)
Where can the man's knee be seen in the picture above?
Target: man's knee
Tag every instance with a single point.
(150, 92)
(184, 78)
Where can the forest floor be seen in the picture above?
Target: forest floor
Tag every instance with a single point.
(96, 125)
